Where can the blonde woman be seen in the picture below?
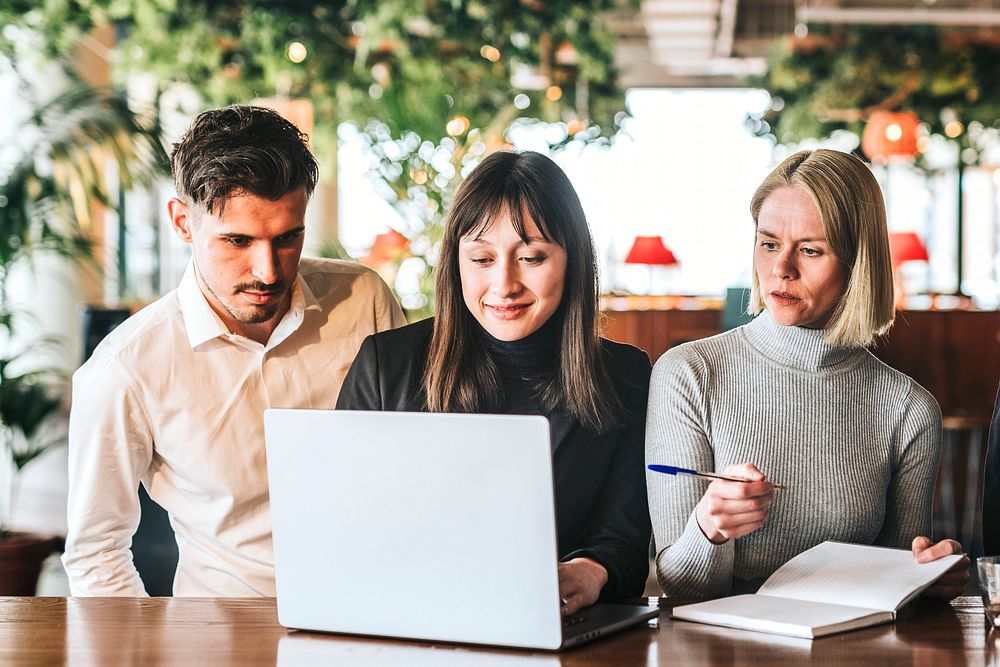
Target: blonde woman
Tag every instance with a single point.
(795, 394)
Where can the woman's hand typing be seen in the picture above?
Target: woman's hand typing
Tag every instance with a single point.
(580, 583)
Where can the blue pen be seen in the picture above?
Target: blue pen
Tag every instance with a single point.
(673, 470)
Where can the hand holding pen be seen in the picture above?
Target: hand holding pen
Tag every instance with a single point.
(735, 504)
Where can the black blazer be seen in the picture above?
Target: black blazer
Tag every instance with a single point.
(600, 482)
(991, 487)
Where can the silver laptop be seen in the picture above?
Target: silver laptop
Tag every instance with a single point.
(421, 526)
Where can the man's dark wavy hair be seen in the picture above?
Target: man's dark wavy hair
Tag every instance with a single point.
(241, 150)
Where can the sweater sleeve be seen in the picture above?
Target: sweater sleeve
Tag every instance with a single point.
(910, 496)
(677, 434)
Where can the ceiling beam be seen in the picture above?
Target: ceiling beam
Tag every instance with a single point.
(673, 7)
(885, 16)
(679, 24)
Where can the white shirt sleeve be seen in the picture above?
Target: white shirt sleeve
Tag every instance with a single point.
(110, 448)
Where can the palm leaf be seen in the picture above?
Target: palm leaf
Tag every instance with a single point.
(46, 207)
(49, 192)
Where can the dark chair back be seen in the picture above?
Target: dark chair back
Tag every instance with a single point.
(98, 323)
(734, 313)
(991, 486)
(154, 547)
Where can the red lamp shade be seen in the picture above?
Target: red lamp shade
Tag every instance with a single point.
(906, 247)
(890, 133)
(386, 247)
(650, 250)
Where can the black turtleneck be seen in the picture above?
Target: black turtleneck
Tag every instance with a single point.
(526, 366)
(598, 478)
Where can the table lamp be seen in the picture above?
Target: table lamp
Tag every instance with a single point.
(651, 251)
(904, 247)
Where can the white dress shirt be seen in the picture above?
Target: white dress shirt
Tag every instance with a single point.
(171, 398)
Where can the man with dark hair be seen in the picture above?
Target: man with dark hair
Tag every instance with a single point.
(174, 397)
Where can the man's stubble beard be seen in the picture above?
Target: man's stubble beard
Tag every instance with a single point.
(259, 313)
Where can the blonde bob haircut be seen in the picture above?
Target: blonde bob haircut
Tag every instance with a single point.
(853, 213)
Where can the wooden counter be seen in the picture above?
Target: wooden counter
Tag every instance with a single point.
(954, 354)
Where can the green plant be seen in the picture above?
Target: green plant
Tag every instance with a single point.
(431, 84)
(28, 403)
(47, 190)
(410, 63)
(835, 77)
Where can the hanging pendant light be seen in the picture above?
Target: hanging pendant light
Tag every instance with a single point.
(890, 134)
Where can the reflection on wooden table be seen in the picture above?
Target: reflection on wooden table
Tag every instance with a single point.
(226, 631)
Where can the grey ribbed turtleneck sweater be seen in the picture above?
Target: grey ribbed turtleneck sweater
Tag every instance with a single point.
(856, 442)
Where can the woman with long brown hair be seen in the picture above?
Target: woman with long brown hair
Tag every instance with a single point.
(516, 332)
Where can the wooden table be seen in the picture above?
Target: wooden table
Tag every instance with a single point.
(186, 631)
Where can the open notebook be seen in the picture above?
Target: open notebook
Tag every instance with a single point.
(830, 588)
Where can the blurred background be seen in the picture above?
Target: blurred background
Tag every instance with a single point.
(665, 114)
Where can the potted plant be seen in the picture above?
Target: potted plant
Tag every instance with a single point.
(29, 402)
(46, 198)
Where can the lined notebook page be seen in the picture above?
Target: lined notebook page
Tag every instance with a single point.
(854, 574)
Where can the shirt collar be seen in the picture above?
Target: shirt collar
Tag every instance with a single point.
(200, 320)
(302, 300)
(203, 324)
(309, 300)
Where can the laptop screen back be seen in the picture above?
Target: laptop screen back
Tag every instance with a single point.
(425, 526)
